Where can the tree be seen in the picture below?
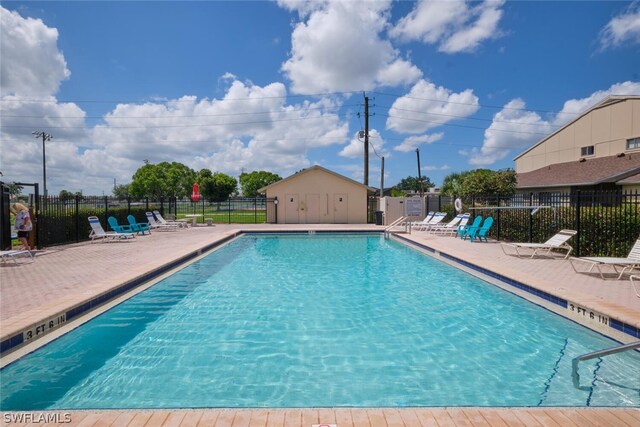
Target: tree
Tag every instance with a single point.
(452, 184)
(216, 187)
(480, 182)
(162, 180)
(66, 196)
(121, 191)
(412, 183)
(14, 189)
(253, 181)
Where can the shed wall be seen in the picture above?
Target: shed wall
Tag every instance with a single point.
(318, 197)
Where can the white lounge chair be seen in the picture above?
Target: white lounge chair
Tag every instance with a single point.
(451, 226)
(97, 232)
(163, 221)
(158, 226)
(558, 241)
(13, 255)
(628, 264)
(438, 217)
(415, 224)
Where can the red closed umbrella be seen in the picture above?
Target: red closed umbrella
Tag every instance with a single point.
(195, 195)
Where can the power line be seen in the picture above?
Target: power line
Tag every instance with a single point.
(253, 98)
(444, 143)
(465, 126)
(179, 117)
(499, 107)
(175, 126)
(466, 117)
(256, 98)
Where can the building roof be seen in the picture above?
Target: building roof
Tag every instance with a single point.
(586, 171)
(633, 179)
(313, 168)
(609, 100)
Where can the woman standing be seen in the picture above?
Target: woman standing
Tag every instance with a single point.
(23, 223)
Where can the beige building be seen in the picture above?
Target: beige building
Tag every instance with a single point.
(600, 149)
(317, 196)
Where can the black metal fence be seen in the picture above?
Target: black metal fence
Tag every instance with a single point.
(607, 222)
(65, 220)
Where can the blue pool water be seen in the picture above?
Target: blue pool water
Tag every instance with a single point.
(322, 320)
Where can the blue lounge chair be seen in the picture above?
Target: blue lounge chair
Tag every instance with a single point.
(113, 223)
(462, 231)
(97, 232)
(138, 227)
(480, 232)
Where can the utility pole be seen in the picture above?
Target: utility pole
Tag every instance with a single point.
(419, 175)
(45, 137)
(382, 178)
(366, 140)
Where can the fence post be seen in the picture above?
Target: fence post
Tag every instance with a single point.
(106, 207)
(473, 204)
(255, 210)
(229, 210)
(162, 206)
(531, 217)
(579, 232)
(77, 218)
(498, 225)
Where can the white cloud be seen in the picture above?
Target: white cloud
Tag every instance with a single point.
(622, 29)
(513, 127)
(456, 26)
(303, 7)
(339, 48)
(411, 143)
(355, 148)
(32, 65)
(251, 127)
(573, 107)
(436, 168)
(31, 68)
(427, 106)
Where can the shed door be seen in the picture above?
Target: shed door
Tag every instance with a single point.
(340, 208)
(291, 209)
(313, 208)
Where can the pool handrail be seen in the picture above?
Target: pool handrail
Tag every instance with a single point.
(397, 222)
(575, 376)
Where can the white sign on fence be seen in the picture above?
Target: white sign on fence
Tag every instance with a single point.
(413, 207)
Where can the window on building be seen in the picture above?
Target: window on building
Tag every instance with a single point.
(587, 151)
(633, 143)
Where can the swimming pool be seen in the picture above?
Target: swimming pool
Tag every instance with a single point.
(322, 320)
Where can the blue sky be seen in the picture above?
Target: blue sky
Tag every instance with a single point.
(279, 85)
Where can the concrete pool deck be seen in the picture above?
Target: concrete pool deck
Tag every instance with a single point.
(66, 276)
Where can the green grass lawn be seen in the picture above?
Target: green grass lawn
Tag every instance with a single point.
(233, 217)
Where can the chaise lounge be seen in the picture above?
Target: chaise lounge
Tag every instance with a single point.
(13, 255)
(558, 241)
(97, 232)
(628, 264)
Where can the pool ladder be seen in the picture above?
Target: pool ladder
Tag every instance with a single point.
(575, 376)
(395, 223)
